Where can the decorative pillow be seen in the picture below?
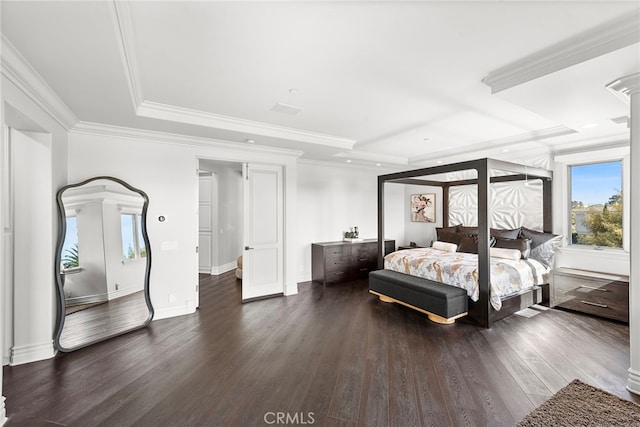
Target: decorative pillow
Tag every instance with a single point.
(505, 234)
(448, 236)
(513, 254)
(537, 237)
(445, 246)
(469, 244)
(544, 252)
(523, 245)
(451, 229)
(468, 230)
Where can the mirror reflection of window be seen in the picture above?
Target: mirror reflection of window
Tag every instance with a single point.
(70, 254)
(132, 240)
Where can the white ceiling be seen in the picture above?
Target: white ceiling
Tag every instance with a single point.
(377, 82)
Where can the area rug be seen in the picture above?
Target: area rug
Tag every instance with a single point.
(579, 404)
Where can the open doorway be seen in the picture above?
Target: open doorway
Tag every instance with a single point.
(220, 212)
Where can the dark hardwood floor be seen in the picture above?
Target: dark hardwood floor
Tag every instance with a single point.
(104, 319)
(327, 356)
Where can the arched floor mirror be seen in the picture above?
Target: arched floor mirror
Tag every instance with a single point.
(103, 262)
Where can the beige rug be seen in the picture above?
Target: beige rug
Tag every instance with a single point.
(579, 404)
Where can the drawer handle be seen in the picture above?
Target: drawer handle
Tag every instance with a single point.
(594, 288)
(338, 273)
(364, 269)
(364, 259)
(595, 303)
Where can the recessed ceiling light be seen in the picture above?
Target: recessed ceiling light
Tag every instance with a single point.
(250, 141)
(590, 125)
(293, 91)
(439, 162)
(505, 150)
(378, 164)
(348, 161)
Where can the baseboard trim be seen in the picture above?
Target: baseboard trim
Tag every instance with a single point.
(87, 299)
(168, 312)
(32, 353)
(216, 271)
(124, 292)
(633, 383)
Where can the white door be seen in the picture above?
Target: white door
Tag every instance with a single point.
(263, 263)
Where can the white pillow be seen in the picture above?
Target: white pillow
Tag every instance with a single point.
(513, 254)
(445, 246)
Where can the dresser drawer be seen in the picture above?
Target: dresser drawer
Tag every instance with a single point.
(593, 293)
(336, 275)
(333, 262)
(611, 309)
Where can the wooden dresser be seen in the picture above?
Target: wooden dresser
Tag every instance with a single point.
(599, 294)
(333, 262)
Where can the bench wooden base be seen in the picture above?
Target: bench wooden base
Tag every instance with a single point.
(433, 317)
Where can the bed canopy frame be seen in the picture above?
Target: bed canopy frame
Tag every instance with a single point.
(480, 311)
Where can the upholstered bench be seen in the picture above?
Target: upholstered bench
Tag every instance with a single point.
(441, 303)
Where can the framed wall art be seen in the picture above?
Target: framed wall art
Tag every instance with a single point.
(423, 207)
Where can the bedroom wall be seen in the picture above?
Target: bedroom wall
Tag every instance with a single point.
(167, 172)
(34, 335)
(423, 233)
(331, 199)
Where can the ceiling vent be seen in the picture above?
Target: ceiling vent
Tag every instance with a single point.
(291, 110)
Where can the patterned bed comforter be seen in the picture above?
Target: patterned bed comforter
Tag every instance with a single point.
(461, 269)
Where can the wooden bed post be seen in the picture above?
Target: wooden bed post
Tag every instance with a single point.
(547, 215)
(445, 205)
(380, 222)
(483, 303)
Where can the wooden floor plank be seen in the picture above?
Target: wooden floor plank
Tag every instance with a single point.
(335, 354)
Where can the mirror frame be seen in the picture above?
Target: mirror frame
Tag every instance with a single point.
(62, 229)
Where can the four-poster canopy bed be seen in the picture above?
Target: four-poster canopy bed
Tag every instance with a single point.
(487, 171)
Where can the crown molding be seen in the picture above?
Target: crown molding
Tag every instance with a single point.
(202, 118)
(342, 165)
(19, 72)
(625, 87)
(124, 27)
(177, 139)
(613, 35)
(373, 157)
(481, 147)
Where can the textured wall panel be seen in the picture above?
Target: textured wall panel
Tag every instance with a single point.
(512, 205)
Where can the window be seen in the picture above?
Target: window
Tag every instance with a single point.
(133, 245)
(70, 255)
(596, 204)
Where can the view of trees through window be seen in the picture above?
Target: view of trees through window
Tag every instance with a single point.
(132, 241)
(596, 204)
(70, 255)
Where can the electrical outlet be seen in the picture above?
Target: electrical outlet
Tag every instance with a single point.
(117, 286)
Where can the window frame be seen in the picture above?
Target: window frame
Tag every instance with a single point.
(136, 232)
(619, 153)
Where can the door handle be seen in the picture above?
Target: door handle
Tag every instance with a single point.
(247, 248)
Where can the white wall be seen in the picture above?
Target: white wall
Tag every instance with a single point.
(22, 113)
(331, 199)
(423, 233)
(167, 172)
